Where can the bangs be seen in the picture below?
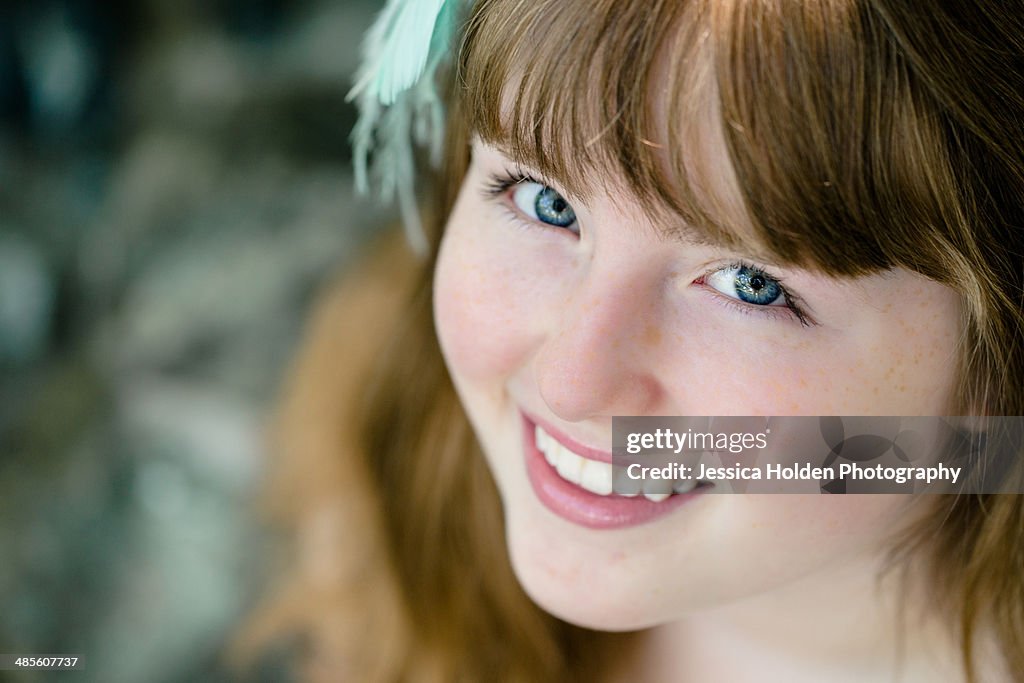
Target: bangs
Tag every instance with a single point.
(795, 129)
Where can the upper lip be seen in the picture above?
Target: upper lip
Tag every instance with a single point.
(572, 444)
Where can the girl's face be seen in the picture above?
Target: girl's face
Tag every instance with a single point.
(564, 313)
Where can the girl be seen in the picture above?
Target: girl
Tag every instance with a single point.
(667, 207)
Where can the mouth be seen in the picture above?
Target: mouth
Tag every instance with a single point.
(576, 482)
(595, 475)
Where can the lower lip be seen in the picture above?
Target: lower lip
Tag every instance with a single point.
(577, 505)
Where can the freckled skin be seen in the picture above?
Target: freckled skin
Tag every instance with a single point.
(581, 328)
(652, 336)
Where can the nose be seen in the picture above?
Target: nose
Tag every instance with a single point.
(597, 359)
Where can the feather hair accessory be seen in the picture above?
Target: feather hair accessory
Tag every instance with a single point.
(399, 106)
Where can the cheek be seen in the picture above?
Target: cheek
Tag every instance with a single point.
(876, 367)
(794, 535)
(715, 363)
(776, 539)
(467, 317)
(482, 306)
(810, 522)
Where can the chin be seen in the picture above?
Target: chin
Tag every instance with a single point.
(582, 593)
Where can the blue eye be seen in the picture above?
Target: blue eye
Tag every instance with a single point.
(544, 204)
(748, 285)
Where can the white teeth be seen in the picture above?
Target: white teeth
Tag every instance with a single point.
(541, 437)
(592, 475)
(569, 465)
(630, 488)
(684, 485)
(657, 486)
(597, 477)
(542, 440)
(581, 471)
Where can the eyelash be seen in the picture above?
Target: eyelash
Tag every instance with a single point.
(497, 185)
(793, 302)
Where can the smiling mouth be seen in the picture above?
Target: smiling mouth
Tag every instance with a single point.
(596, 477)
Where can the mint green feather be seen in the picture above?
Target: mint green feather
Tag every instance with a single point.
(398, 101)
(398, 47)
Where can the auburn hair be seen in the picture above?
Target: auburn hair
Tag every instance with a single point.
(861, 135)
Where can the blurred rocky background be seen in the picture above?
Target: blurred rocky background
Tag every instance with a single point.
(174, 187)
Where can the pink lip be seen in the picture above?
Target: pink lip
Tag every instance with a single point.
(576, 504)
